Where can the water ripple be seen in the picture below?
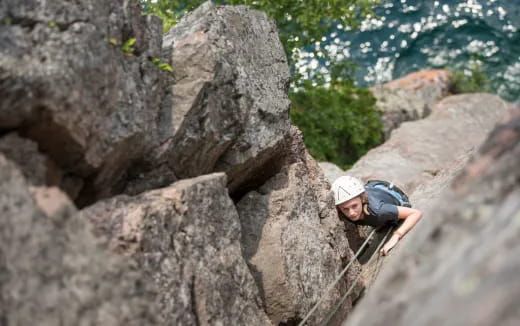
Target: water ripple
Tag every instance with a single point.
(409, 35)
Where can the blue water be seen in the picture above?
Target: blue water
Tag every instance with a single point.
(410, 35)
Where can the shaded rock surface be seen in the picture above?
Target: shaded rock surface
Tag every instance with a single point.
(186, 238)
(66, 84)
(113, 122)
(411, 97)
(293, 240)
(52, 271)
(35, 167)
(230, 107)
(459, 267)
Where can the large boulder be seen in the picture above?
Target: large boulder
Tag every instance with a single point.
(419, 150)
(113, 122)
(186, 239)
(460, 266)
(411, 97)
(294, 242)
(52, 271)
(230, 109)
(66, 84)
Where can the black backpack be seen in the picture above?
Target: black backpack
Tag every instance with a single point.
(391, 189)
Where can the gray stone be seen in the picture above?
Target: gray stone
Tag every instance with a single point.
(417, 151)
(426, 154)
(111, 120)
(331, 171)
(186, 238)
(398, 105)
(230, 110)
(411, 97)
(66, 84)
(294, 242)
(36, 168)
(460, 267)
(52, 272)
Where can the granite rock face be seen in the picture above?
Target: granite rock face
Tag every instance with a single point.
(80, 113)
(459, 268)
(96, 121)
(36, 168)
(186, 238)
(411, 97)
(114, 122)
(52, 271)
(293, 240)
(331, 171)
(419, 150)
(66, 84)
(426, 154)
(230, 106)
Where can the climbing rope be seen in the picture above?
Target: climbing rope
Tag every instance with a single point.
(334, 310)
(340, 302)
(337, 279)
(377, 268)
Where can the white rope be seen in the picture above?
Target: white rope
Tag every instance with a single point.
(336, 280)
(340, 302)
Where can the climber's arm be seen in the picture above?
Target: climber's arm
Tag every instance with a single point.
(411, 216)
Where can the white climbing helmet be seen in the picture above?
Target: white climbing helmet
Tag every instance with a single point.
(346, 188)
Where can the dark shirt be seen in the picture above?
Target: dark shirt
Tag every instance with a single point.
(382, 208)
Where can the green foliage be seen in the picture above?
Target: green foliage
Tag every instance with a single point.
(472, 81)
(162, 65)
(300, 22)
(128, 46)
(340, 123)
(169, 11)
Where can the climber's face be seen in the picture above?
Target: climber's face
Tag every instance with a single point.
(353, 209)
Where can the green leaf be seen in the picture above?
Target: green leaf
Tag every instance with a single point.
(128, 46)
(161, 65)
(165, 66)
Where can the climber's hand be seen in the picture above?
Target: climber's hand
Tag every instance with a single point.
(389, 245)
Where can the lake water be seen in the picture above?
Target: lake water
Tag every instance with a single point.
(410, 35)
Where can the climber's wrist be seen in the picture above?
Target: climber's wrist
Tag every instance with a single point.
(398, 234)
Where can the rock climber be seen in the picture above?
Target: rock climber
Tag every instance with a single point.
(377, 203)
